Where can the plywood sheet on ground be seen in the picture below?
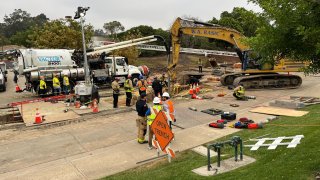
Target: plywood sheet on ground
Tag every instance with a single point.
(53, 112)
(279, 111)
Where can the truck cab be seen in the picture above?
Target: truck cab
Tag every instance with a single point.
(118, 67)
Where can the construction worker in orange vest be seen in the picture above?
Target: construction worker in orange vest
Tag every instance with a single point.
(142, 85)
(151, 115)
(168, 107)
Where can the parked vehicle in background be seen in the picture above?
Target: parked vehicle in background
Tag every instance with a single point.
(3, 76)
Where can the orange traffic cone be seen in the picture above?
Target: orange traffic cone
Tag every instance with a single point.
(197, 88)
(190, 90)
(90, 105)
(95, 106)
(38, 118)
(18, 88)
(77, 104)
(194, 89)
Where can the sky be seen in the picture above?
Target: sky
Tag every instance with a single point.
(130, 13)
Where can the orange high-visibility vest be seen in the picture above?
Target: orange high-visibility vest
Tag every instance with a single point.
(171, 108)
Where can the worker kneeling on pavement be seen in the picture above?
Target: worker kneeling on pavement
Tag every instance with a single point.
(151, 115)
(168, 107)
(239, 93)
(142, 109)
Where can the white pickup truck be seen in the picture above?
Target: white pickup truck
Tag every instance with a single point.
(3, 76)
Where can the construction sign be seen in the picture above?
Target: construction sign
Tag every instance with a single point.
(162, 130)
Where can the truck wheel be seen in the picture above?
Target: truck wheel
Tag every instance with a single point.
(4, 88)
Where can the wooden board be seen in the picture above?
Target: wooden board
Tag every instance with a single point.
(53, 112)
(279, 111)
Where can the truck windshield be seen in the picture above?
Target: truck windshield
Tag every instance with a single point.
(108, 61)
(120, 62)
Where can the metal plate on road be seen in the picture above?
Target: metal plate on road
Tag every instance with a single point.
(162, 130)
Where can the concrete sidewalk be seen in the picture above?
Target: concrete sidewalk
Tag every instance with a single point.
(110, 160)
(106, 145)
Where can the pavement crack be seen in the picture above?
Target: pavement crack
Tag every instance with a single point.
(75, 167)
(78, 141)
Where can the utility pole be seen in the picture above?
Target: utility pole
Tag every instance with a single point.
(84, 89)
(80, 14)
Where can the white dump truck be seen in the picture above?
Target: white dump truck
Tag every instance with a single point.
(3, 76)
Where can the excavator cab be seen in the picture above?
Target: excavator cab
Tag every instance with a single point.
(250, 60)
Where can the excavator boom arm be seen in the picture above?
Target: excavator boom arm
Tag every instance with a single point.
(194, 28)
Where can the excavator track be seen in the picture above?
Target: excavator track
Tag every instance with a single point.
(228, 79)
(268, 81)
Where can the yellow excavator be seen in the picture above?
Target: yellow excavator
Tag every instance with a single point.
(253, 75)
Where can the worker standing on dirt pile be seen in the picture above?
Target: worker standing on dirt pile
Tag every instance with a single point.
(128, 87)
(42, 87)
(157, 87)
(56, 85)
(142, 108)
(200, 65)
(116, 91)
(151, 115)
(66, 84)
(142, 85)
(168, 107)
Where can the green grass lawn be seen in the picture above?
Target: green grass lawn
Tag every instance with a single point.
(302, 162)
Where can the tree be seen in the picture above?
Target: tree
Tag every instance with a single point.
(17, 26)
(60, 34)
(3, 41)
(17, 21)
(242, 20)
(99, 32)
(113, 28)
(293, 31)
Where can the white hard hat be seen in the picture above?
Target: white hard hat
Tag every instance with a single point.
(66, 74)
(165, 94)
(156, 100)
